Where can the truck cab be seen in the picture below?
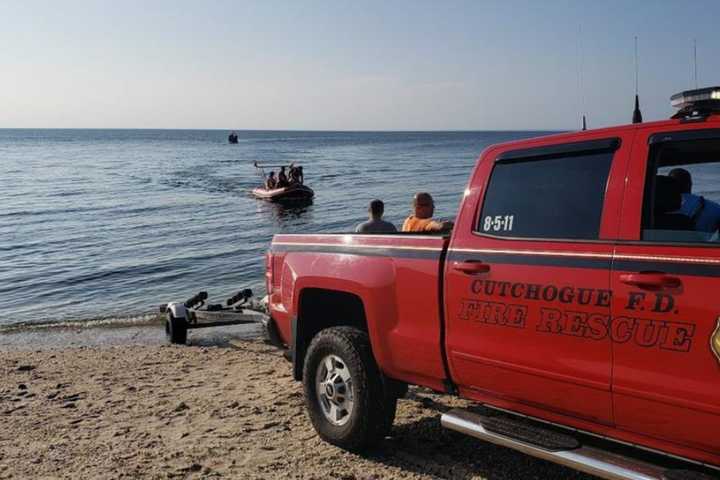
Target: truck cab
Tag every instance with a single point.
(577, 290)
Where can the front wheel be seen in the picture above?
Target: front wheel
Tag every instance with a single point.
(344, 392)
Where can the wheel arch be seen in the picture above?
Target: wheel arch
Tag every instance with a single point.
(318, 309)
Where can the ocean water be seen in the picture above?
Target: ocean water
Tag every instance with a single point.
(105, 225)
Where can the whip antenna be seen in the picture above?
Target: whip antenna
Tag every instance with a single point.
(637, 115)
(695, 61)
(581, 87)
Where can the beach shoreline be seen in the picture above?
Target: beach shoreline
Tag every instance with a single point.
(230, 410)
(99, 334)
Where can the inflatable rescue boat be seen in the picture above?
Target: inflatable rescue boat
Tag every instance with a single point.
(292, 192)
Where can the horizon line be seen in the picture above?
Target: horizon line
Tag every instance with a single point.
(293, 130)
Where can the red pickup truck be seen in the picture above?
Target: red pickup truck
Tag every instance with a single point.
(578, 295)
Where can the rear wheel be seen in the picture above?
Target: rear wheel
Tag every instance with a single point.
(344, 391)
(176, 329)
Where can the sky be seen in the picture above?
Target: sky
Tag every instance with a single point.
(348, 65)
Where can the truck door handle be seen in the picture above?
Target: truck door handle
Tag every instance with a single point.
(651, 280)
(472, 267)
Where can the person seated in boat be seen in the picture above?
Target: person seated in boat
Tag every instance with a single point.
(294, 174)
(376, 224)
(282, 180)
(291, 174)
(271, 182)
(421, 220)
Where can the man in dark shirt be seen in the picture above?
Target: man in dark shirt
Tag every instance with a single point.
(376, 224)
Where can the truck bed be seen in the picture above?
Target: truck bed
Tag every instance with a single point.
(397, 276)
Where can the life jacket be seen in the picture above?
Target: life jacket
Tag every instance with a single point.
(415, 224)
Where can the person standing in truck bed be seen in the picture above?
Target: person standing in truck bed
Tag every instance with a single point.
(421, 220)
(376, 224)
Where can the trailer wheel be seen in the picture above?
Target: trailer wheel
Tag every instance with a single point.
(176, 329)
(344, 393)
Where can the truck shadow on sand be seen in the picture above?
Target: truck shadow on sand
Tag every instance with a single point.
(419, 445)
(424, 447)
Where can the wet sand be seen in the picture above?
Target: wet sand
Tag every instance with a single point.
(219, 408)
(83, 334)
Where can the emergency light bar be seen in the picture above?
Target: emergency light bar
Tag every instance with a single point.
(705, 98)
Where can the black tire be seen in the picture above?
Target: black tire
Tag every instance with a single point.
(176, 329)
(373, 409)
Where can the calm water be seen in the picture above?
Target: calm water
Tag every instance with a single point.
(107, 224)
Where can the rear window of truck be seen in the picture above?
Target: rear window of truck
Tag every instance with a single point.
(547, 197)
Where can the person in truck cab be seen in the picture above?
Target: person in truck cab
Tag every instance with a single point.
(421, 220)
(376, 224)
(668, 204)
(703, 212)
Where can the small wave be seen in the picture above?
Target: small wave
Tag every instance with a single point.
(68, 193)
(49, 211)
(102, 322)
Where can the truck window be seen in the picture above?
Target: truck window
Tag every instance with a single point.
(682, 192)
(555, 197)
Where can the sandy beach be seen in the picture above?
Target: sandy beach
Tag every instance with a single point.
(229, 411)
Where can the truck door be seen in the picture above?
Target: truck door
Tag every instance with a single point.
(666, 289)
(527, 279)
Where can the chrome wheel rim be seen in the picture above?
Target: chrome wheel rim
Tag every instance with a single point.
(334, 388)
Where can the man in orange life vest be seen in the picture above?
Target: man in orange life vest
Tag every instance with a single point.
(421, 219)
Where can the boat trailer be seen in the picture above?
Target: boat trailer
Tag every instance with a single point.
(197, 312)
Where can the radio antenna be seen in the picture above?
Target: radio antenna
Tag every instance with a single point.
(637, 115)
(581, 86)
(695, 61)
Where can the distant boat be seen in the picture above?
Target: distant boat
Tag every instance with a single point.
(233, 138)
(289, 193)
